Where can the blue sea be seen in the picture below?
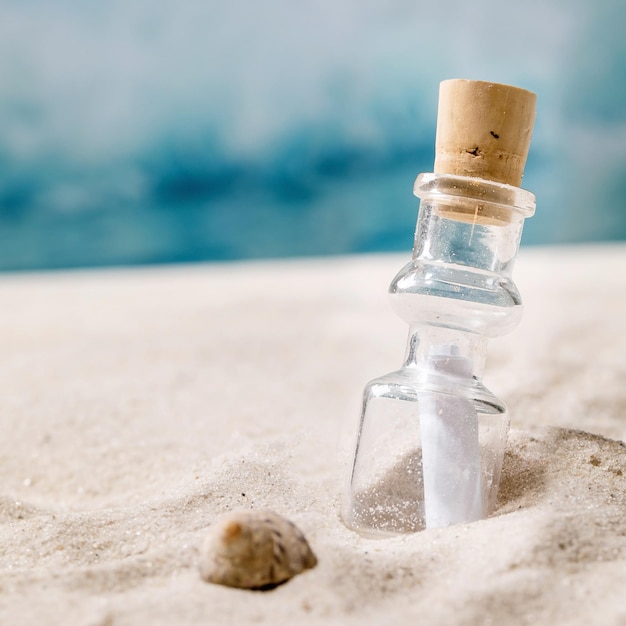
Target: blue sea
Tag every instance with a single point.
(190, 131)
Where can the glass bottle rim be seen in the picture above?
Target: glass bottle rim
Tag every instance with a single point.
(451, 186)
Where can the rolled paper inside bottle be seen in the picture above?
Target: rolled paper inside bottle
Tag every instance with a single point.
(451, 466)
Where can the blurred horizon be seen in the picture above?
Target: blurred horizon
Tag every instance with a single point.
(192, 131)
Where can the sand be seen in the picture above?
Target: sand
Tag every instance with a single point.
(138, 405)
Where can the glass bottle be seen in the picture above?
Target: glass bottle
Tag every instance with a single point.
(431, 439)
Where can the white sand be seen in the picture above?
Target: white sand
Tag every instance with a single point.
(136, 406)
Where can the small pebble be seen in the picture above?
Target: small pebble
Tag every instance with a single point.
(254, 549)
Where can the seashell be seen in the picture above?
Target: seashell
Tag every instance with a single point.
(254, 549)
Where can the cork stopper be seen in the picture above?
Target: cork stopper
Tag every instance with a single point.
(484, 130)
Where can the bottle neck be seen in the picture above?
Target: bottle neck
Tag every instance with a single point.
(470, 222)
(443, 240)
(466, 241)
(447, 351)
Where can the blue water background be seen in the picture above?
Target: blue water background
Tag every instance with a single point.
(134, 132)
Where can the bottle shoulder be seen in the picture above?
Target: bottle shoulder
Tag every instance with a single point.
(413, 384)
(456, 296)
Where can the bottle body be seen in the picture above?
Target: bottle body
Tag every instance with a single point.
(396, 487)
(431, 438)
